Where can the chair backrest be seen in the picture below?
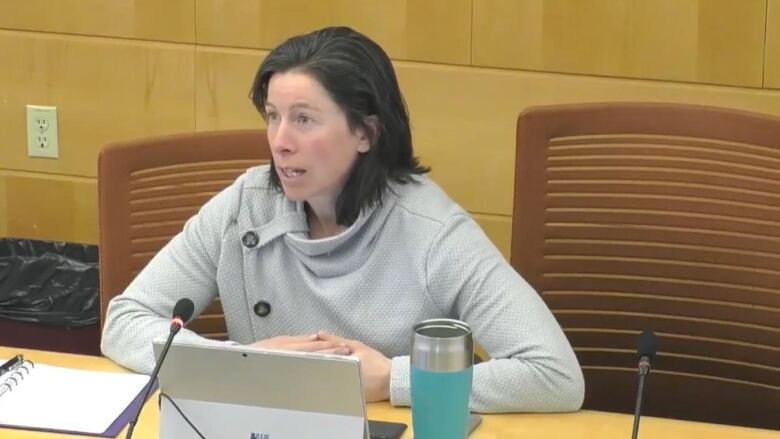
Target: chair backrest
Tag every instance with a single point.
(666, 217)
(147, 190)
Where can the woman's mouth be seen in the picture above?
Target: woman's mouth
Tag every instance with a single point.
(291, 172)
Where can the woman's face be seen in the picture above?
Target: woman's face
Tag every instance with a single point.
(311, 143)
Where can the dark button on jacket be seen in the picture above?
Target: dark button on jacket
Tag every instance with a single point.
(250, 239)
(262, 308)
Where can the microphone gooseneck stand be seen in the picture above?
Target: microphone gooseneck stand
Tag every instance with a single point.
(638, 407)
(182, 312)
(646, 350)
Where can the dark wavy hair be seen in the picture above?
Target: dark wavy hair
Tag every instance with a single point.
(360, 78)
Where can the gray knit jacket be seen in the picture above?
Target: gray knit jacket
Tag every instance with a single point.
(416, 256)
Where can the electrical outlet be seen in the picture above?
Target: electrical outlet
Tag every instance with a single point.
(42, 140)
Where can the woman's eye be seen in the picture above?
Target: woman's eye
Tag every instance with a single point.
(272, 116)
(303, 119)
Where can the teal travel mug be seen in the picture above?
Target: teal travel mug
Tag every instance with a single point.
(441, 372)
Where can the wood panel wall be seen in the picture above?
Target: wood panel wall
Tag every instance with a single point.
(120, 69)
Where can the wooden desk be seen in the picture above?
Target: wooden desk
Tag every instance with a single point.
(581, 425)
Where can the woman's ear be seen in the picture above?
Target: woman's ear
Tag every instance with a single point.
(370, 135)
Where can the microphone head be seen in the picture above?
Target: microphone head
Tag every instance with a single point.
(183, 309)
(648, 343)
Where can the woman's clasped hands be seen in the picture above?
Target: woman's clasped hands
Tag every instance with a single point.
(374, 366)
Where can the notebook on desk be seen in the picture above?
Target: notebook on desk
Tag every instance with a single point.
(66, 400)
(245, 392)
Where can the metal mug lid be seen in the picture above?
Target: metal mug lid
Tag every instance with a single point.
(442, 328)
(442, 345)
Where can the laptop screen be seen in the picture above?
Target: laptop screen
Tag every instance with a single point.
(246, 392)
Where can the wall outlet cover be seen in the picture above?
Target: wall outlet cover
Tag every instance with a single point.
(42, 133)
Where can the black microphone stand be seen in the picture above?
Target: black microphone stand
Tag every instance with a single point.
(182, 312)
(644, 368)
(175, 327)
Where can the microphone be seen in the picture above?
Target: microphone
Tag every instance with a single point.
(182, 312)
(646, 348)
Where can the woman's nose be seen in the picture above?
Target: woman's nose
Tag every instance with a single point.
(279, 139)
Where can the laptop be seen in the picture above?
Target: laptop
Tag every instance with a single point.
(251, 393)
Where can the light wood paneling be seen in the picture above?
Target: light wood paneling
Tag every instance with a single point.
(169, 20)
(463, 119)
(709, 41)
(104, 90)
(468, 136)
(432, 30)
(499, 229)
(4, 213)
(51, 207)
(772, 54)
(731, 41)
(222, 85)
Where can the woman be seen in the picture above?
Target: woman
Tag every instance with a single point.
(342, 244)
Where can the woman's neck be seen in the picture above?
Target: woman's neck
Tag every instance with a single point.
(322, 222)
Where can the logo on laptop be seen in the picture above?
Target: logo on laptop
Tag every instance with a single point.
(259, 436)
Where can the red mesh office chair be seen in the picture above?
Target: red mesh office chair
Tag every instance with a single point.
(148, 188)
(633, 216)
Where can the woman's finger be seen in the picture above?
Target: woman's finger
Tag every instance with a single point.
(341, 350)
(313, 346)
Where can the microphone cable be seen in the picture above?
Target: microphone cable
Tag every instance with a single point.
(181, 413)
